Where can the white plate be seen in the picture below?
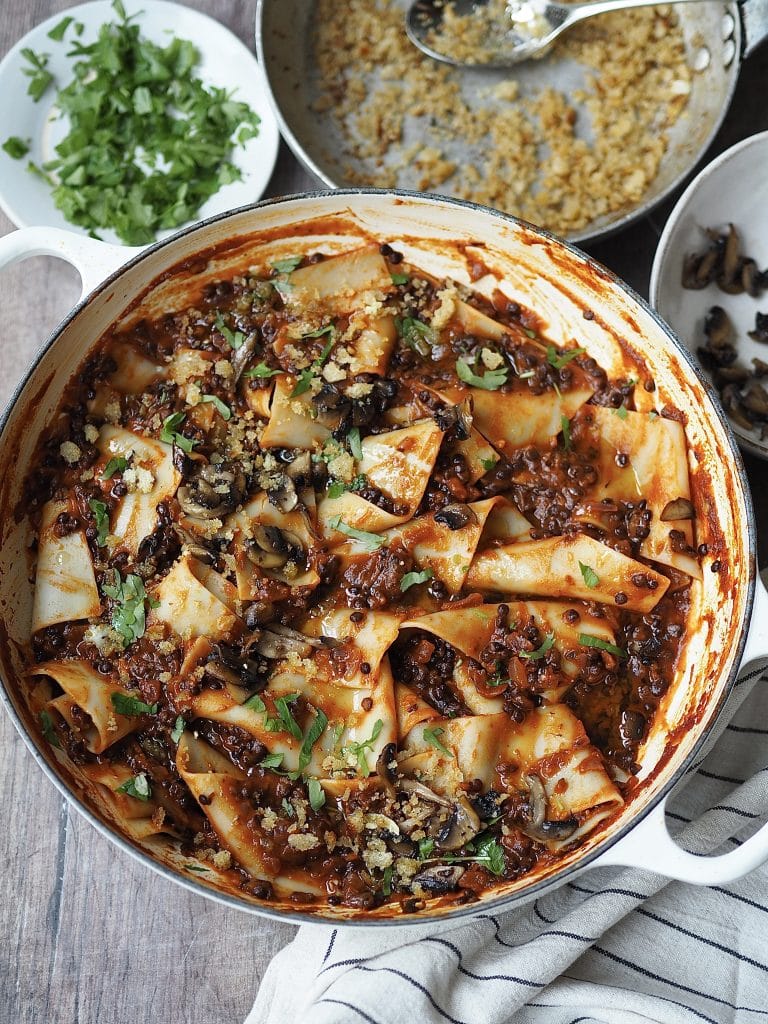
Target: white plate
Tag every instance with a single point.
(224, 62)
(732, 189)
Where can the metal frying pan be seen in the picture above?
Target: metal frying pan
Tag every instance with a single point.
(718, 36)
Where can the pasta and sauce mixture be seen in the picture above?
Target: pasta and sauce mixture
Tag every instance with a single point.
(353, 586)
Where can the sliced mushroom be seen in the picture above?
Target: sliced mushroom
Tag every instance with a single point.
(282, 494)
(383, 762)
(755, 399)
(679, 508)
(729, 278)
(455, 420)
(272, 548)
(439, 878)
(460, 828)
(750, 278)
(455, 516)
(275, 646)
(733, 406)
(299, 469)
(718, 327)
(731, 375)
(243, 355)
(538, 826)
(413, 786)
(214, 491)
(760, 332)
(258, 613)
(761, 367)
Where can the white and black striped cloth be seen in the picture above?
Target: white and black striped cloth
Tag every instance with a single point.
(615, 946)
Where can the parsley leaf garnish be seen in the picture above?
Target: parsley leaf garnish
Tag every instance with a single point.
(416, 335)
(307, 375)
(284, 713)
(386, 881)
(540, 651)
(587, 640)
(128, 613)
(16, 147)
(590, 577)
(286, 265)
(170, 433)
(271, 761)
(101, 516)
(399, 279)
(137, 787)
(492, 380)
(621, 412)
(178, 728)
(565, 426)
(316, 794)
(358, 749)
(372, 541)
(49, 733)
(488, 464)
(223, 410)
(262, 370)
(117, 464)
(426, 846)
(490, 855)
(126, 704)
(432, 736)
(39, 77)
(255, 703)
(58, 30)
(233, 338)
(355, 444)
(559, 361)
(314, 733)
(411, 579)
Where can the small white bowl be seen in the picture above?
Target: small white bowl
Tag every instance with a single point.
(732, 189)
(224, 62)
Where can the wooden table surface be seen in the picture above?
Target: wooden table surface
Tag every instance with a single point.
(88, 936)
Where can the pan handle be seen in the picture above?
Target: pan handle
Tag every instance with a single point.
(650, 846)
(93, 260)
(754, 18)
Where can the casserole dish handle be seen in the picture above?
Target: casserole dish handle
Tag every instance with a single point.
(650, 846)
(92, 259)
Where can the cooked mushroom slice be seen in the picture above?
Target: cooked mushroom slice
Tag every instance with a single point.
(455, 516)
(383, 762)
(414, 786)
(699, 270)
(718, 327)
(214, 492)
(275, 646)
(761, 367)
(760, 332)
(243, 355)
(193, 546)
(455, 420)
(299, 469)
(439, 878)
(258, 613)
(460, 828)
(755, 399)
(679, 508)
(282, 494)
(750, 278)
(732, 375)
(732, 403)
(729, 278)
(272, 548)
(330, 399)
(538, 826)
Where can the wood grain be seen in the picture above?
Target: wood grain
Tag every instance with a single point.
(87, 935)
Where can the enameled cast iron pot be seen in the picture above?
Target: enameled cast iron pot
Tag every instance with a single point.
(728, 629)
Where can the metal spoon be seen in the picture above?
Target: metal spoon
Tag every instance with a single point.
(531, 27)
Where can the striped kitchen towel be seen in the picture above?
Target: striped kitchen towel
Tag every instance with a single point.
(614, 946)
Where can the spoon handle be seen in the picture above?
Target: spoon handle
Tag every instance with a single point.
(593, 7)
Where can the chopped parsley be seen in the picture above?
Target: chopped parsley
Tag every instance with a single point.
(411, 579)
(432, 736)
(49, 733)
(117, 464)
(58, 31)
(386, 881)
(549, 641)
(316, 794)
(148, 141)
(39, 77)
(488, 464)
(16, 147)
(271, 761)
(307, 375)
(492, 380)
(314, 733)
(565, 426)
(355, 444)
(261, 370)
(101, 516)
(621, 412)
(128, 613)
(587, 640)
(416, 335)
(255, 703)
(588, 574)
(233, 338)
(196, 867)
(559, 361)
(426, 846)
(223, 410)
(286, 265)
(372, 541)
(288, 807)
(137, 786)
(400, 279)
(358, 749)
(337, 487)
(178, 728)
(490, 855)
(126, 704)
(170, 432)
(287, 720)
